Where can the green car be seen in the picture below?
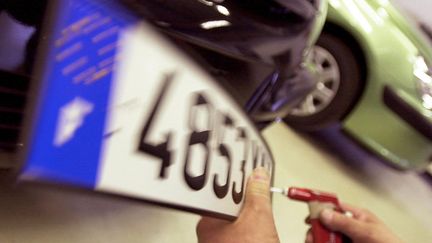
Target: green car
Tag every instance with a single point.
(374, 76)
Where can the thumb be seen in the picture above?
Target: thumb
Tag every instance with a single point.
(258, 189)
(339, 222)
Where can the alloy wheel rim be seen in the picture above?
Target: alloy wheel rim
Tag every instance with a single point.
(327, 73)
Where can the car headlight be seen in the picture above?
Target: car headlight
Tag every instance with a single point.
(424, 81)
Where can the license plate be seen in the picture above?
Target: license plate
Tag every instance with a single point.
(121, 111)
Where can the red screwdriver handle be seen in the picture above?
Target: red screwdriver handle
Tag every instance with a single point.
(317, 202)
(322, 235)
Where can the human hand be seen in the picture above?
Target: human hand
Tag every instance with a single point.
(362, 227)
(255, 222)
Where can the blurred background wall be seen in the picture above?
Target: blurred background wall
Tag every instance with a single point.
(419, 8)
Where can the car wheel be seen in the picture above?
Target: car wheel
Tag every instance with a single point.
(429, 169)
(339, 82)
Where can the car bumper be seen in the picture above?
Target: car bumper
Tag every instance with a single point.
(408, 113)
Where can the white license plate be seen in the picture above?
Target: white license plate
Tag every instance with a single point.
(121, 111)
(175, 135)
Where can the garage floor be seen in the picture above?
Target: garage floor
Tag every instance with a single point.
(403, 200)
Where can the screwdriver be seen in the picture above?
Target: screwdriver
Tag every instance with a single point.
(317, 201)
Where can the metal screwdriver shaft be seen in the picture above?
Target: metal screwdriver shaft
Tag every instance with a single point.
(279, 190)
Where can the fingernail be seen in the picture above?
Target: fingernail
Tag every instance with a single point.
(260, 174)
(349, 214)
(327, 215)
(259, 183)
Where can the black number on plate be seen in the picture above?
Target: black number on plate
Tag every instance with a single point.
(256, 152)
(198, 138)
(159, 150)
(237, 196)
(222, 190)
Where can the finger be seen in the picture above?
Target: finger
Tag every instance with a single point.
(339, 222)
(257, 199)
(210, 223)
(357, 213)
(258, 188)
(348, 207)
(309, 236)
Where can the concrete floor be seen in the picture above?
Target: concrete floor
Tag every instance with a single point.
(403, 200)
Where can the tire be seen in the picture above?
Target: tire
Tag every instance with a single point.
(337, 71)
(429, 170)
